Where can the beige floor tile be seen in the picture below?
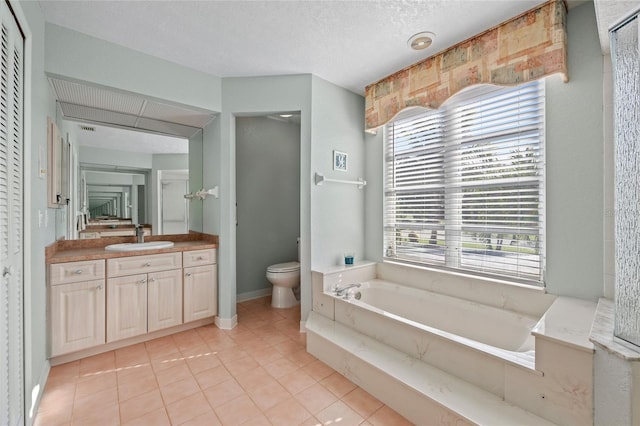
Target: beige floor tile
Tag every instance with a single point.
(237, 411)
(212, 377)
(362, 402)
(157, 417)
(296, 381)
(339, 413)
(257, 374)
(318, 370)
(179, 390)
(55, 415)
(207, 419)
(202, 362)
(99, 414)
(254, 378)
(96, 384)
(280, 367)
(140, 405)
(266, 357)
(241, 365)
(269, 395)
(173, 374)
(188, 408)
(338, 384)
(223, 392)
(385, 416)
(316, 398)
(97, 364)
(288, 412)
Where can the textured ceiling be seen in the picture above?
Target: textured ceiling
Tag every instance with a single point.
(608, 12)
(349, 43)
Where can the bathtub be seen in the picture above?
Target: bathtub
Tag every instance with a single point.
(466, 322)
(467, 339)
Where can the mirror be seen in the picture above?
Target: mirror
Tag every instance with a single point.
(130, 177)
(113, 185)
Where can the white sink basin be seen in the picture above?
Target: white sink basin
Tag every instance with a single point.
(150, 245)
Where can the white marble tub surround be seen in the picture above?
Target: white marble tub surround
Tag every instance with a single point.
(553, 382)
(616, 372)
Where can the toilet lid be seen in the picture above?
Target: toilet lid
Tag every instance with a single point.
(284, 267)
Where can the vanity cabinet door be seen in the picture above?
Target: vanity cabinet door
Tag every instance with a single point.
(77, 316)
(126, 307)
(164, 296)
(200, 292)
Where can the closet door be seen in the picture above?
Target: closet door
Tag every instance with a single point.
(11, 226)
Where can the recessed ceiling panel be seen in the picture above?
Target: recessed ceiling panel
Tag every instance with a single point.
(75, 93)
(80, 112)
(166, 128)
(174, 114)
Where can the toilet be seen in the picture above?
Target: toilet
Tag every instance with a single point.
(284, 277)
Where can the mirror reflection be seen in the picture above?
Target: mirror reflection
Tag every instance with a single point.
(129, 178)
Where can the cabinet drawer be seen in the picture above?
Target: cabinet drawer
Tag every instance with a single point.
(142, 264)
(199, 257)
(73, 272)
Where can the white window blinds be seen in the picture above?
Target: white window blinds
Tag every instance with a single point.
(464, 185)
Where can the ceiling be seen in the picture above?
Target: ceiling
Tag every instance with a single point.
(608, 12)
(349, 43)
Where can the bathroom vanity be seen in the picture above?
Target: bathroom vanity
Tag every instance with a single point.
(100, 300)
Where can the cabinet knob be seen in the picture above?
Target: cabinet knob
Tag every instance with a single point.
(99, 287)
(188, 274)
(78, 271)
(142, 281)
(147, 264)
(152, 280)
(200, 258)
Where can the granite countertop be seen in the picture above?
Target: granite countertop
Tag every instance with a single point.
(93, 249)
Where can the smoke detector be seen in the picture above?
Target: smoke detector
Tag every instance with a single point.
(421, 40)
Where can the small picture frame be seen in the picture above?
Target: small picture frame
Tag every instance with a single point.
(339, 161)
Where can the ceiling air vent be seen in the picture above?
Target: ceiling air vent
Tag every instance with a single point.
(88, 128)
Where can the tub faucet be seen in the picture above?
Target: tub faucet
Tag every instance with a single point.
(140, 233)
(340, 291)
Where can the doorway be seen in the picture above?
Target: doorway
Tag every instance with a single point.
(268, 198)
(174, 208)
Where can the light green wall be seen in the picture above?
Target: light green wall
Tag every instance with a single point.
(252, 96)
(337, 123)
(112, 157)
(39, 103)
(574, 180)
(78, 56)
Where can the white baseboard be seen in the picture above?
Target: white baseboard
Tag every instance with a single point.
(303, 326)
(226, 323)
(35, 402)
(256, 294)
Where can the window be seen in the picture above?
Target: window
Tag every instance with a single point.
(464, 185)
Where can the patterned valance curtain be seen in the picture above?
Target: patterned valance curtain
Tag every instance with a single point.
(528, 47)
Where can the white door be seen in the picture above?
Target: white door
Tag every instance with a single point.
(174, 213)
(11, 226)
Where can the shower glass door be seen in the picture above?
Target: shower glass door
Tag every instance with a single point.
(626, 95)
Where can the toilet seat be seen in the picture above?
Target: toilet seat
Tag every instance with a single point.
(284, 267)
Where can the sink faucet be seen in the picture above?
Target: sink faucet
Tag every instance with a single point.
(340, 291)
(140, 233)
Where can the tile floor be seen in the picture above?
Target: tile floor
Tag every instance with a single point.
(259, 373)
